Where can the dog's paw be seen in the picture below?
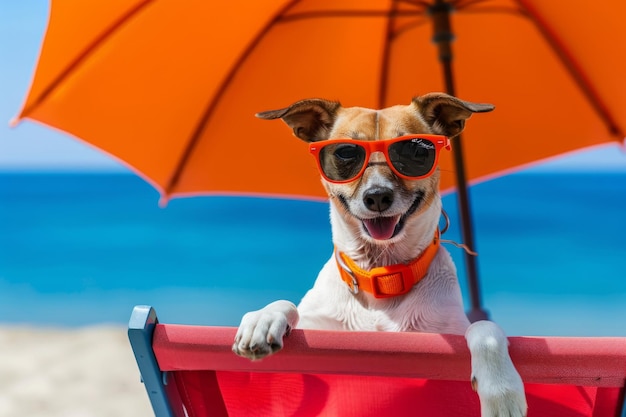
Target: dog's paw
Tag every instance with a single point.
(261, 332)
(494, 378)
(501, 399)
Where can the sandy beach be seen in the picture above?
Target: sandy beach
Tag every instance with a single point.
(81, 372)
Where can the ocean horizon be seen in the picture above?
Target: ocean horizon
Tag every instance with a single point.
(83, 248)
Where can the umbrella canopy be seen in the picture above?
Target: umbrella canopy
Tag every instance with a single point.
(171, 88)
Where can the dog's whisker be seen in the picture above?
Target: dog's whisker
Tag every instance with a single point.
(384, 251)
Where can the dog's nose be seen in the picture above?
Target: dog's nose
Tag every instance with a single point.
(378, 199)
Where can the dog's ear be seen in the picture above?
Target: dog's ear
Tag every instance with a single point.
(446, 114)
(311, 120)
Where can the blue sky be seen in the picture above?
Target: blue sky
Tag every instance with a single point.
(33, 147)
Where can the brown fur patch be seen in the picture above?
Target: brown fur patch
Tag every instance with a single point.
(366, 124)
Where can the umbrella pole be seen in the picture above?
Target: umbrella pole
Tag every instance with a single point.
(443, 37)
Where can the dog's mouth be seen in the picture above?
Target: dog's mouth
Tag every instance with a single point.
(383, 228)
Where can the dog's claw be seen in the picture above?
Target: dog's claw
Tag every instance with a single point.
(474, 384)
(261, 332)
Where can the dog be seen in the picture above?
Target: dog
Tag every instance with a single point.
(379, 170)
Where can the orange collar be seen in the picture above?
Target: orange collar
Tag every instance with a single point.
(387, 281)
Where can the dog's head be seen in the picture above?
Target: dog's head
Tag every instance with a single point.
(379, 206)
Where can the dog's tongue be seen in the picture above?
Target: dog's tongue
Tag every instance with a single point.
(381, 228)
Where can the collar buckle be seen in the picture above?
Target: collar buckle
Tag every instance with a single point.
(353, 284)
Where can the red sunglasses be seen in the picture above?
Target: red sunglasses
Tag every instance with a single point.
(409, 157)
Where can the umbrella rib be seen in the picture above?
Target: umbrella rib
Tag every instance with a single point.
(392, 32)
(206, 116)
(386, 55)
(423, 4)
(80, 58)
(407, 27)
(348, 13)
(495, 9)
(575, 70)
(460, 4)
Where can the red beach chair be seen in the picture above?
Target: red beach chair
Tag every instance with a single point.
(190, 370)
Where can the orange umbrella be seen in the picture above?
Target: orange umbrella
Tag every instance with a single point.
(171, 87)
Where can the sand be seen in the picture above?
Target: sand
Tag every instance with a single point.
(80, 372)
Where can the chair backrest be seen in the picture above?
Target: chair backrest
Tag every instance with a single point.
(328, 373)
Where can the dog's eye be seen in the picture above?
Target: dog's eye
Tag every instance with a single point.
(413, 159)
(407, 151)
(347, 151)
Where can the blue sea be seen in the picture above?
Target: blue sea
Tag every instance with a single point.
(84, 248)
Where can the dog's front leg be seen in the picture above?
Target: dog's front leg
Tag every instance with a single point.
(494, 377)
(261, 332)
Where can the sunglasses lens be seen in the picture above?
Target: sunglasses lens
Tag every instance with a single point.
(342, 161)
(413, 157)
